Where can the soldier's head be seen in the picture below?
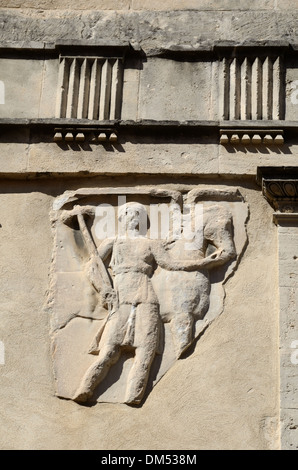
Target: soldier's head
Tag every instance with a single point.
(133, 216)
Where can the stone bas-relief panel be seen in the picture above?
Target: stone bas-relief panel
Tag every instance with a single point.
(138, 274)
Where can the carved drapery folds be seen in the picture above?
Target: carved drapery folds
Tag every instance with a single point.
(137, 275)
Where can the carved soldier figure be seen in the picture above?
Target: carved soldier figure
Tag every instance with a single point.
(134, 320)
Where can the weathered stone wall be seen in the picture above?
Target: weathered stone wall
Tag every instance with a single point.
(152, 29)
(225, 392)
(224, 395)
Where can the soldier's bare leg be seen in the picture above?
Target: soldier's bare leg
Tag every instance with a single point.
(182, 331)
(182, 324)
(146, 343)
(108, 355)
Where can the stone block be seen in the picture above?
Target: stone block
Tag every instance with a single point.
(174, 90)
(245, 160)
(130, 96)
(49, 89)
(202, 5)
(122, 158)
(22, 81)
(67, 4)
(14, 158)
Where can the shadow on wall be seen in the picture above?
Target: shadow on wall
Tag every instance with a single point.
(262, 149)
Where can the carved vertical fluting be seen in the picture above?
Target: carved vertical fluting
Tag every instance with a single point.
(278, 90)
(116, 89)
(73, 89)
(256, 89)
(62, 92)
(84, 89)
(252, 88)
(105, 90)
(267, 92)
(95, 82)
(245, 109)
(235, 89)
(89, 88)
(224, 91)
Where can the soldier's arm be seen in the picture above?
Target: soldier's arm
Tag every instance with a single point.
(166, 261)
(218, 232)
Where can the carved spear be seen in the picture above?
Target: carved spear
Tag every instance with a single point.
(109, 293)
(92, 250)
(66, 217)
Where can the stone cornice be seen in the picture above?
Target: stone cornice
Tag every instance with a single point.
(217, 49)
(149, 123)
(285, 218)
(280, 189)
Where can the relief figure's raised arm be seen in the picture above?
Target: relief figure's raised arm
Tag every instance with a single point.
(218, 232)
